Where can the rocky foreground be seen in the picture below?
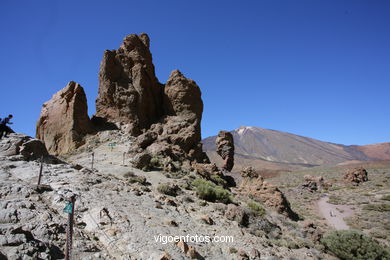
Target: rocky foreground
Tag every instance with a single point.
(120, 210)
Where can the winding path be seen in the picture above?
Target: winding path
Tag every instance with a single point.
(334, 214)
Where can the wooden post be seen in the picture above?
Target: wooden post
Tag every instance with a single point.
(69, 230)
(40, 172)
(93, 157)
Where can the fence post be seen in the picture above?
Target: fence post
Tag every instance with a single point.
(40, 171)
(93, 158)
(69, 230)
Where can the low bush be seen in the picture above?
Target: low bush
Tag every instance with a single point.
(377, 207)
(167, 189)
(256, 208)
(207, 190)
(132, 178)
(351, 244)
(387, 197)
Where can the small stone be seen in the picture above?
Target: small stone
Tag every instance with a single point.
(171, 223)
(165, 256)
(170, 202)
(242, 255)
(192, 253)
(255, 254)
(183, 246)
(208, 220)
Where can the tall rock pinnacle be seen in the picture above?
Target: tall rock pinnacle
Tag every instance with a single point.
(64, 120)
(129, 91)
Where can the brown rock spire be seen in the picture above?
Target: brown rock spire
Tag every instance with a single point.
(64, 120)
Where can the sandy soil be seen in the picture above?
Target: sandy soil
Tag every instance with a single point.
(334, 214)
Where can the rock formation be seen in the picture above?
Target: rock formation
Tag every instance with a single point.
(164, 118)
(225, 149)
(21, 145)
(356, 176)
(259, 190)
(129, 91)
(177, 133)
(314, 183)
(64, 120)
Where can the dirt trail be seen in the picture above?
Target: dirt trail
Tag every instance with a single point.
(334, 214)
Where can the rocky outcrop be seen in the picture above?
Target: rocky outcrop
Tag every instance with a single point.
(166, 118)
(356, 176)
(129, 91)
(21, 145)
(313, 183)
(259, 190)
(225, 149)
(64, 120)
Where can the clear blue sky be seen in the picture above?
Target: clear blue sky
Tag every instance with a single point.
(315, 68)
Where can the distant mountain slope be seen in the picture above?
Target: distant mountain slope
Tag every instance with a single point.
(379, 151)
(271, 149)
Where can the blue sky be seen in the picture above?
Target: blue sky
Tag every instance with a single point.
(315, 68)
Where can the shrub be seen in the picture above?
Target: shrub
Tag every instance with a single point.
(155, 162)
(377, 207)
(132, 178)
(138, 179)
(168, 189)
(256, 208)
(206, 190)
(387, 197)
(218, 180)
(350, 244)
(129, 174)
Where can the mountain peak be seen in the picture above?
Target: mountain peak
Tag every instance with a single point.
(272, 149)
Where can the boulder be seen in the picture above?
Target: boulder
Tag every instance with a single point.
(26, 146)
(141, 160)
(225, 149)
(259, 190)
(356, 176)
(33, 149)
(129, 91)
(237, 214)
(314, 183)
(64, 120)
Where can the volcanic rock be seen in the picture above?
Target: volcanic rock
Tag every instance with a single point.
(356, 176)
(225, 149)
(259, 190)
(129, 91)
(177, 133)
(18, 144)
(166, 118)
(314, 183)
(64, 120)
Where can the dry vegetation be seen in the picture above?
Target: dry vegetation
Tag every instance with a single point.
(369, 200)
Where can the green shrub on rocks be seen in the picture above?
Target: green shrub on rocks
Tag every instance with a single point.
(256, 208)
(351, 244)
(168, 189)
(207, 190)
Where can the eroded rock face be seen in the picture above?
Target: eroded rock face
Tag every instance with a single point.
(177, 132)
(166, 118)
(264, 192)
(129, 91)
(356, 176)
(225, 149)
(64, 120)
